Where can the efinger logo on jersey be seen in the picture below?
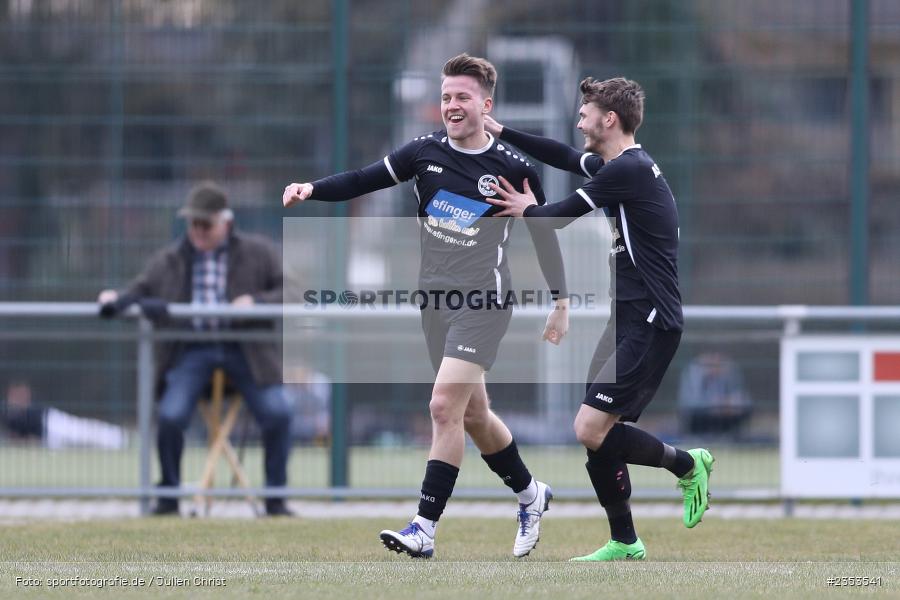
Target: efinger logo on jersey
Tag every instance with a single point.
(462, 211)
(483, 185)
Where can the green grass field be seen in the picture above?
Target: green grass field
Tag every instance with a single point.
(391, 467)
(342, 559)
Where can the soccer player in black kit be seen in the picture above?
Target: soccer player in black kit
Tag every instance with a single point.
(646, 303)
(463, 251)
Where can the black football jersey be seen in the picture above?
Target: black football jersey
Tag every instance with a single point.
(632, 189)
(644, 256)
(463, 245)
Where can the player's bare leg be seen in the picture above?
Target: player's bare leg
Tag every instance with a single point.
(456, 380)
(489, 433)
(495, 442)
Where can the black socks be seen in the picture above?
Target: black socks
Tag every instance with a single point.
(637, 447)
(440, 477)
(609, 476)
(608, 470)
(509, 466)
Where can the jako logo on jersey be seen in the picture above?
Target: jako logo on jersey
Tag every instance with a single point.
(435, 169)
(462, 348)
(483, 184)
(604, 398)
(428, 498)
(656, 171)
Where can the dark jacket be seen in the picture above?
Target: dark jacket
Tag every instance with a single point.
(254, 267)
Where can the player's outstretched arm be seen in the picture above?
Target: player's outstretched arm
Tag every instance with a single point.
(523, 204)
(342, 186)
(546, 150)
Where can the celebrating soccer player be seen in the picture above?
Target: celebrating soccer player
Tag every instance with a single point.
(462, 250)
(646, 303)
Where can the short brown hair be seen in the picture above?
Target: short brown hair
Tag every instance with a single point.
(622, 96)
(479, 68)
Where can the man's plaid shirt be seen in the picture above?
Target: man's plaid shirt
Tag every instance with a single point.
(208, 287)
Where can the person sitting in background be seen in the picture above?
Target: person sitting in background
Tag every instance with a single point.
(711, 397)
(56, 429)
(213, 264)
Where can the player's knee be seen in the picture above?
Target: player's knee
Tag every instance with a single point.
(444, 410)
(587, 434)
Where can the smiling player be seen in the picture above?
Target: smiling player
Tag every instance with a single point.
(465, 252)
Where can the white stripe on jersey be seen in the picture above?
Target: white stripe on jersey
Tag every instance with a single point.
(390, 169)
(500, 256)
(652, 316)
(625, 233)
(587, 198)
(584, 157)
(418, 200)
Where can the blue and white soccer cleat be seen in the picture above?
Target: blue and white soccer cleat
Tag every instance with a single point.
(411, 540)
(529, 518)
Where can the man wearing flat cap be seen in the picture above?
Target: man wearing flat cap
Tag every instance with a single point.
(213, 264)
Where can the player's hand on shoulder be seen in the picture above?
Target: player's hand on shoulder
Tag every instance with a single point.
(296, 192)
(492, 126)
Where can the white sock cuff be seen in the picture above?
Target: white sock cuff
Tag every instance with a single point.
(426, 525)
(529, 494)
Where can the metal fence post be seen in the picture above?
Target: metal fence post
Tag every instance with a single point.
(145, 383)
(859, 153)
(339, 466)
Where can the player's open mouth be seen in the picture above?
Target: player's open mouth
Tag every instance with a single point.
(455, 118)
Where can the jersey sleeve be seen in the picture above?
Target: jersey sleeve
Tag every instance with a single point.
(618, 181)
(560, 214)
(394, 168)
(350, 184)
(401, 163)
(546, 244)
(553, 153)
(549, 256)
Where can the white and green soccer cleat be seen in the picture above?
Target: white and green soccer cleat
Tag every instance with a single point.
(695, 487)
(614, 550)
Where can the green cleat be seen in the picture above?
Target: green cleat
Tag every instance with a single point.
(614, 550)
(695, 487)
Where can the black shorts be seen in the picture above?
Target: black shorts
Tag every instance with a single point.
(642, 356)
(469, 334)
